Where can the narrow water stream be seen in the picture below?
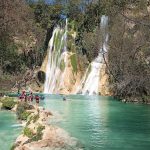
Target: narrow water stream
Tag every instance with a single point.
(9, 129)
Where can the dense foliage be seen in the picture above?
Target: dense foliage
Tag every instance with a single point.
(8, 103)
(129, 40)
(19, 45)
(129, 52)
(22, 112)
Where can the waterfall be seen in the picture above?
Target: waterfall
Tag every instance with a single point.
(57, 57)
(90, 82)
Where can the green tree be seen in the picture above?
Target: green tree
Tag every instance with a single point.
(129, 49)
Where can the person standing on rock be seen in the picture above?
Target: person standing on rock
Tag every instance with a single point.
(18, 87)
(31, 97)
(37, 100)
(25, 97)
(64, 98)
(22, 96)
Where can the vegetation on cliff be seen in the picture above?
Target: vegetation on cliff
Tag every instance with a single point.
(128, 63)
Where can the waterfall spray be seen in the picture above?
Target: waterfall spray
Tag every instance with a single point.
(57, 55)
(90, 83)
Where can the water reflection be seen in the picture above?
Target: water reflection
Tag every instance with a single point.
(8, 129)
(103, 123)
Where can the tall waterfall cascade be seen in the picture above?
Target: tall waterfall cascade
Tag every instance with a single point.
(57, 58)
(90, 82)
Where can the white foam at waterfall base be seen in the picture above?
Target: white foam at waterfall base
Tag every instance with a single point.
(90, 82)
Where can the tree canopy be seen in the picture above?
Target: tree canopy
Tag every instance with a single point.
(129, 36)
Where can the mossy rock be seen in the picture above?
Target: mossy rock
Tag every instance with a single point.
(62, 65)
(74, 62)
(24, 115)
(35, 118)
(13, 147)
(25, 106)
(146, 98)
(8, 103)
(34, 137)
(27, 132)
(71, 44)
(22, 112)
(39, 133)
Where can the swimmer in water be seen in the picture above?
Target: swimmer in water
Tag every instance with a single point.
(64, 98)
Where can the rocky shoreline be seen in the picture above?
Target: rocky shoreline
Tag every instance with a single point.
(37, 133)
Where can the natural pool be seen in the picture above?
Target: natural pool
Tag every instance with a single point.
(101, 123)
(9, 129)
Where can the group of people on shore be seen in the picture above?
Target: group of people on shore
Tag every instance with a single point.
(29, 97)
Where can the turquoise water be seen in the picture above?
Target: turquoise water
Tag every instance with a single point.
(101, 123)
(8, 129)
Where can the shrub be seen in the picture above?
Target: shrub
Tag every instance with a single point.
(34, 137)
(13, 147)
(62, 65)
(29, 120)
(35, 118)
(39, 133)
(22, 114)
(74, 62)
(40, 128)
(27, 132)
(32, 118)
(8, 103)
(26, 106)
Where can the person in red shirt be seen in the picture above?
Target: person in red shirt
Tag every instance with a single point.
(22, 96)
(30, 98)
(37, 99)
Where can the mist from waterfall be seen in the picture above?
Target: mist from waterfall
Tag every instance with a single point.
(90, 82)
(57, 54)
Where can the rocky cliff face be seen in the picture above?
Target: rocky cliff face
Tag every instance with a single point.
(104, 86)
(67, 71)
(72, 78)
(72, 74)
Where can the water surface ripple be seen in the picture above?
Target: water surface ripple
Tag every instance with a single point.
(9, 129)
(102, 123)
